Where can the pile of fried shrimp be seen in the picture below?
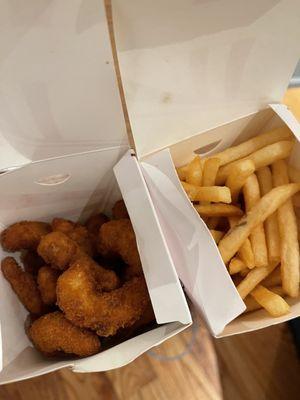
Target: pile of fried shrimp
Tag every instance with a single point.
(82, 284)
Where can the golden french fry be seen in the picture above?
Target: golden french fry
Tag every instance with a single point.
(261, 158)
(253, 278)
(244, 272)
(266, 206)
(253, 305)
(270, 301)
(218, 210)
(217, 235)
(274, 279)
(207, 193)
(245, 252)
(244, 149)
(181, 172)
(193, 173)
(257, 237)
(296, 200)
(210, 170)
(238, 176)
(294, 174)
(236, 265)
(288, 231)
(213, 222)
(264, 176)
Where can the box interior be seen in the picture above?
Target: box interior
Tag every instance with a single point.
(165, 189)
(73, 187)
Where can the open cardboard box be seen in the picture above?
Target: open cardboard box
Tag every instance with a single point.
(199, 76)
(62, 133)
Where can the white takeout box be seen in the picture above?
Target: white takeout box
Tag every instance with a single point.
(199, 76)
(62, 133)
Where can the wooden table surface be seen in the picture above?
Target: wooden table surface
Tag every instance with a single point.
(262, 365)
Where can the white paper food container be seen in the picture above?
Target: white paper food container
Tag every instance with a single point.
(200, 76)
(58, 97)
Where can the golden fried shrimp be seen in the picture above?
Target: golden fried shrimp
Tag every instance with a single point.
(31, 261)
(46, 280)
(118, 237)
(76, 232)
(53, 333)
(24, 235)
(119, 210)
(23, 284)
(79, 297)
(95, 222)
(58, 250)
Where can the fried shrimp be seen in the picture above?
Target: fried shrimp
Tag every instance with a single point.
(53, 333)
(79, 297)
(46, 280)
(95, 222)
(31, 261)
(24, 235)
(118, 237)
(119, 210)
(76, 232)
(58, 250)
(23, 284)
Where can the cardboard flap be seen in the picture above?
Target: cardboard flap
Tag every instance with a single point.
(58, 90)
(158, 267)
(188, 66)
(194, 253)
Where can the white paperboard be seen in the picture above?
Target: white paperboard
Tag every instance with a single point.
(73, 187)
(58, 90)
(217, 299)
(188, 66)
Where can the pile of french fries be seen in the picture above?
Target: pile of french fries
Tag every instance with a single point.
(247, 196)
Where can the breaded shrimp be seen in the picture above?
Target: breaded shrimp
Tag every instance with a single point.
(58, 250)
(31, 261)
(24, 235)
(119, 210)
(118, 237)
(46, 280)
(79, 297)
(53, 333)
(23, 284)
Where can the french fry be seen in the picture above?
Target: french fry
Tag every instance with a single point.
(253, 278)
(207, 193)
(236, 265)
(238, 176)
(244, 272)
(253, 305)
(266, 206)
(210, 170)
(181, 172)
(296, 200)
(288, 232)
(244, 149)
(217, 235)
(218, 210)
(245, 252)
(294, 174)
(213, 222)
(193, 172)
(257, 236)
(264, 176)
(272, 302)
(274, 279)
(261, 158)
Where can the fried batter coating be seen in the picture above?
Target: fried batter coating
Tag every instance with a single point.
(119, 210)
(58, 250)
(23, 284)
(79, 297)
(76, 232)
(24, 235)
(95, 222)
(118, 237)
(32, 262)
(46, 280)
(53, 333)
